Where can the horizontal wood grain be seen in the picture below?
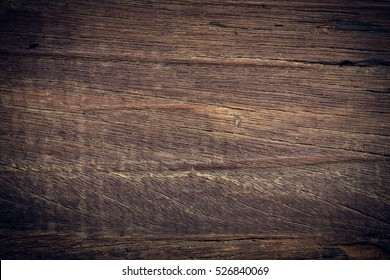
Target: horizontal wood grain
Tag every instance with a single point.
(194, 129)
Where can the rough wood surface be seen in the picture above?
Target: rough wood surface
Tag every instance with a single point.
(195, 129)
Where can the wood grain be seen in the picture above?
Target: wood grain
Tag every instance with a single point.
(194, 129)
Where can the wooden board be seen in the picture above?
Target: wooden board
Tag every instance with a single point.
(194, 129)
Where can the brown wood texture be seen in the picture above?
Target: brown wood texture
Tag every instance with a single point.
(194, 129)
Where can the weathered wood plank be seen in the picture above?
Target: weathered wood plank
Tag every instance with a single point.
(195, 129)
(225, 246)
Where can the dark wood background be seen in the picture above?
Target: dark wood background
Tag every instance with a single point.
(195, 129)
